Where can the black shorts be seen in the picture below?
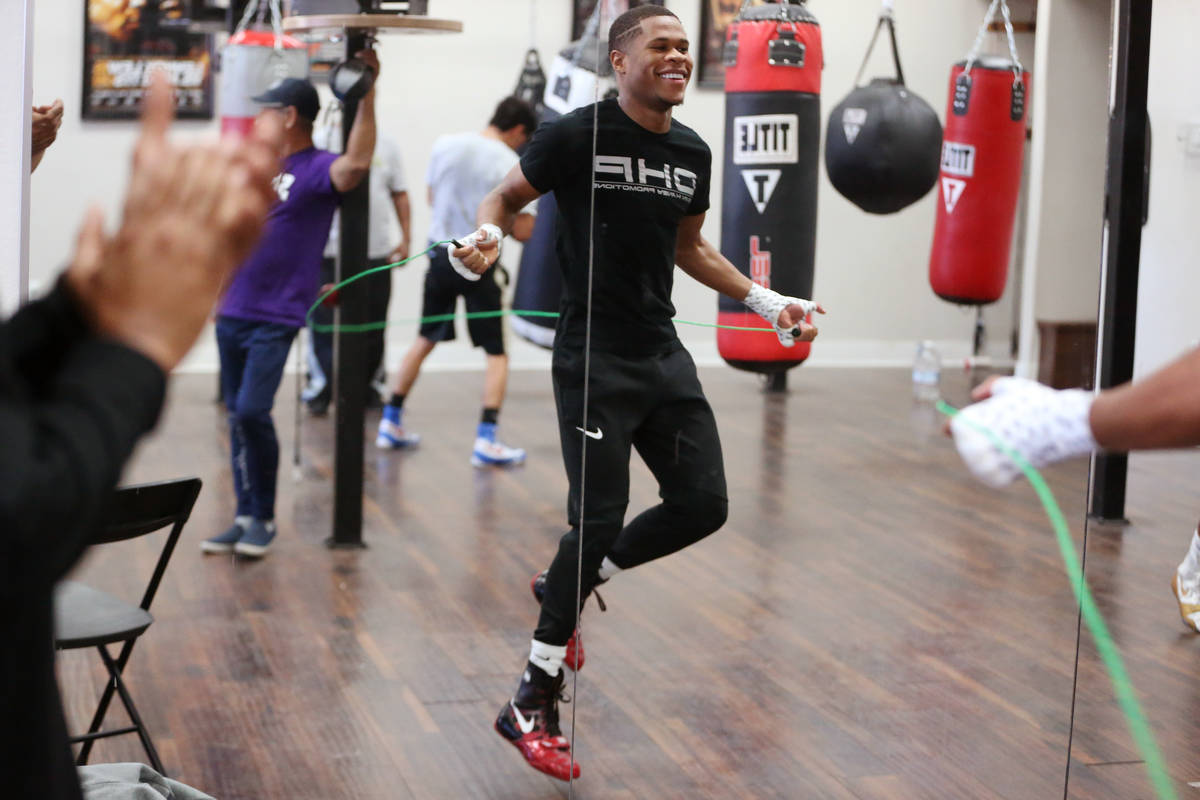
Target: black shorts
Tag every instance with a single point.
(442, 288)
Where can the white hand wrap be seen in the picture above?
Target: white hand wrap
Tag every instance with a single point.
(769, 305)
(1044, 425)
(486, 233)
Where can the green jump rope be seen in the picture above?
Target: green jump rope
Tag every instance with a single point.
(1139, 728)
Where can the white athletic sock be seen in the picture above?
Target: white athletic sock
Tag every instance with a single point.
(547, 657)
(1191, 562)
(608, 569)
(243, 522)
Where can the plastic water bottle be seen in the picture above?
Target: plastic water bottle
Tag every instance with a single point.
(927, 372)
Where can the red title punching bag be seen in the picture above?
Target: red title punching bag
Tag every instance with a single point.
(980, 177)
(251, 62)
(773, 65)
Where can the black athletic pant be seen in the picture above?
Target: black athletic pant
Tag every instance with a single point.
(656, 405)
(378, 295)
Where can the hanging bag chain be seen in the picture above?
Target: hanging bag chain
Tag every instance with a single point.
(886, 17)
(973, 56)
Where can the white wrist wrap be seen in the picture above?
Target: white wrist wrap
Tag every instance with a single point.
(486, 233)
(1044, 425)
(769, 305)
(493, 234)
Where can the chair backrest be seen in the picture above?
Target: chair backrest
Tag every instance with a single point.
(134, 511)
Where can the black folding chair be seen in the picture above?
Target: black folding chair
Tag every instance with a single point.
(87, 617)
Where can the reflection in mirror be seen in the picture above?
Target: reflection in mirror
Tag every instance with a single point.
(804, 590)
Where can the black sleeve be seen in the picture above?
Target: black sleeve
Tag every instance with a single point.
(700, 202)
(546, 160)
(40, 334)
(72, 406)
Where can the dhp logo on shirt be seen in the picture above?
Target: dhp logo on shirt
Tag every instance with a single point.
(669, 181)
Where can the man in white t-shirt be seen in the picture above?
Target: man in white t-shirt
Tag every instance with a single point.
(389, 204)
(463, 168)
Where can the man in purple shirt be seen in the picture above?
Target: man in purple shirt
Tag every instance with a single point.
(267, 300)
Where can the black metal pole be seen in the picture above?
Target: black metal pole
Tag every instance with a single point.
(1125, 206)
(349, 349)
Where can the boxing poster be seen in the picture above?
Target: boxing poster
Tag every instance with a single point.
(583, 12)
(715, 16)
(125, 41)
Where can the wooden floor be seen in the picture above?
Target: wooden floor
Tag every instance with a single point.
(870, 623)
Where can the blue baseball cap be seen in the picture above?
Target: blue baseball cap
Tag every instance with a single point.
(295, 92)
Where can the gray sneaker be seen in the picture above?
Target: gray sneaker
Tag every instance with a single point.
(255, 541)
(224, 542)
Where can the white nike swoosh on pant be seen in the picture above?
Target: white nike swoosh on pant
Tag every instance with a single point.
(526, 725)
(597, 434)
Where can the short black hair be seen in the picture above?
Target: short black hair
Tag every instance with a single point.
(513, 111)
(629, 24)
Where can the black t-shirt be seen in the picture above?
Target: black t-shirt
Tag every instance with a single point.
(646, 183)
(72, 406)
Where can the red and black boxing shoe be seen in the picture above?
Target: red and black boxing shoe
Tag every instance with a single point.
(530, 722)
(575, 655)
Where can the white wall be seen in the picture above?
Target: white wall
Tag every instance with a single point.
(1169, 281)
(1073, 130)
(16, 22)
(1069, 159)
(871, 271)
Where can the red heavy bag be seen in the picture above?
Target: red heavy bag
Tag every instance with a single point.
(982, 150)
(250, 62)
(773, 64)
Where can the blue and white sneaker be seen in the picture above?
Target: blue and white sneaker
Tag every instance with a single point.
(256, 540)
(392, 435)
(489, 452)
(224, 542)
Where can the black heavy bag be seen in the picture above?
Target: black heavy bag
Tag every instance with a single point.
(531, 85)
(773, 64)
(570, 84)
(883, 144)
(539, 281)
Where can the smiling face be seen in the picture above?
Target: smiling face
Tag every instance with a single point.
(654, 65)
